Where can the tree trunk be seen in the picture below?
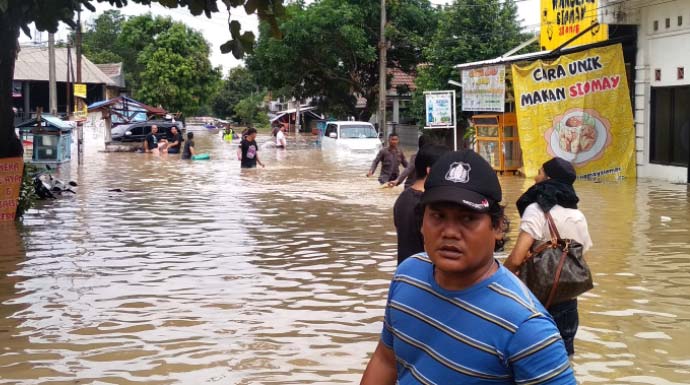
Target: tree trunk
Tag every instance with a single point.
(10, 146)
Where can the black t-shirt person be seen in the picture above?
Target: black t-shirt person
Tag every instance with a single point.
(408, 224)
(175, 138)
(249, 150)
(152, 141)
(186, 152)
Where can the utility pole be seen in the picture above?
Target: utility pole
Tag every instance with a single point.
(79, 101)
(298, 124)
(52, 86)
(382, 73)
(68, 84)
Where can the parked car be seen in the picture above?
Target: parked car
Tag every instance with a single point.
(136, 132)
(356, 137)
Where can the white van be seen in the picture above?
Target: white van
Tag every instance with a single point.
(357, 137)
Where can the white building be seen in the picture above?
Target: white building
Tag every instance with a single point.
(662, 86)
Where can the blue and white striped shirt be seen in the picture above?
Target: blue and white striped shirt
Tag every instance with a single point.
(495, 332)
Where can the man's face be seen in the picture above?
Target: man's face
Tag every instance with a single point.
(459, 241)
(393, 141)
(154, 129)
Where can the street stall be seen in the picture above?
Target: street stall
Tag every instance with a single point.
(47, 139)
(494, 124)
(496, 140)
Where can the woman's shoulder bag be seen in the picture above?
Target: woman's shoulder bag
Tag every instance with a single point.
(556, 271)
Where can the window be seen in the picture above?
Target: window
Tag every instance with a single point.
(359, 131)
(331, 129)
(656, 25)
(140, 130)
(670, 130)
(668, 22)
(680, 20)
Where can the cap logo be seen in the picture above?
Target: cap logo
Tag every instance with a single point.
(459, 172)
(477, 206)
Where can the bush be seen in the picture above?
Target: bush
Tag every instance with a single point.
(27, 192)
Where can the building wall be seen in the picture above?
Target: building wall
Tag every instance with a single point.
(664, 49)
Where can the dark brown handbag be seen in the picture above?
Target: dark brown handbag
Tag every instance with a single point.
(556, 271)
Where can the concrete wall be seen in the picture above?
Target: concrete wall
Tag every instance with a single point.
(663, 49)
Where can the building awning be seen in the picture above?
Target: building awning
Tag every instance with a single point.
(32, 65)
(508, 59)
(48, 122)
(293, 110)
(306, 110)
(122, 100)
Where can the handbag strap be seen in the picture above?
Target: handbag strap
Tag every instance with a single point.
(555, 237)
(557, 276)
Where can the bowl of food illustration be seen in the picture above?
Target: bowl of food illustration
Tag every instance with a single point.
(579, 135)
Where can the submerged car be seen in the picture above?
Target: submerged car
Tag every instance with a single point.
(356, 137)
(136, 132)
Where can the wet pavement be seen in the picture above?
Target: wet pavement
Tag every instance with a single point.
(199, 272)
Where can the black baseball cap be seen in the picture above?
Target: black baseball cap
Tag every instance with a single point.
(465, 178)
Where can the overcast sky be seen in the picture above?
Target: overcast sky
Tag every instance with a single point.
(216, 32)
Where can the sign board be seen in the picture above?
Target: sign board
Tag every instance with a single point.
(564, 109)
(80, 90)
(11, 170)
(440, 112)
(440, 109)
(484, 89)
(561, 20)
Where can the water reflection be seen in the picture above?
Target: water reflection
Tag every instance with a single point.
(199, 272)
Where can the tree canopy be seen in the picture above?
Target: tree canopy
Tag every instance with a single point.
(16, 15)
(239, 84)
(165, 62)
(329, 50)
(468, 31)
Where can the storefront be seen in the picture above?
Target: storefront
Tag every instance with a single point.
(662, 86)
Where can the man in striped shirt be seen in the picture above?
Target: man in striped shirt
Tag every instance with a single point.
(454, 315)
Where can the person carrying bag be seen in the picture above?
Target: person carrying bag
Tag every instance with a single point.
(556, 271)
(553, 238)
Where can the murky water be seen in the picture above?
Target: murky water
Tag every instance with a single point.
(199, 272)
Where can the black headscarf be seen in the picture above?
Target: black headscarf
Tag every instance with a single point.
(547, 194)
(556, 190)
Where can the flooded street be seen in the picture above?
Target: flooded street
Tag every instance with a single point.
(162, 271)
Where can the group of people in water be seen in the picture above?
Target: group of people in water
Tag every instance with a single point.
(171, 144)
(247, 150)
(454, 313)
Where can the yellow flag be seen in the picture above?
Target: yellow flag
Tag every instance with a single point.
(80, 90)
(577, 108)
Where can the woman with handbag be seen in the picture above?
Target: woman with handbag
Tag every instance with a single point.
(551, 205)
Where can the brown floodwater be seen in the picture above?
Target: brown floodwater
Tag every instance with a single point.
(199, 272)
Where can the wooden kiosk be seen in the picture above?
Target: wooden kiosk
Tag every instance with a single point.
(496, 140)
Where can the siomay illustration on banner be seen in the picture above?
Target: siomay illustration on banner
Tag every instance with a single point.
(577, 108)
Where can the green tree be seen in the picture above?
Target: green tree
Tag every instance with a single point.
(100, 39)
(250, 111)
(469, 30)
(175, 68)
(239, 84)
(16, 15)
(140, 33)
(329, 50)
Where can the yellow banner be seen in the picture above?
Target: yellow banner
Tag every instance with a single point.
(11, 170)
(561, 20)
(80, 90)
(577, 108)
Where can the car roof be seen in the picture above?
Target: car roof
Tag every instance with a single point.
(348, 122)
